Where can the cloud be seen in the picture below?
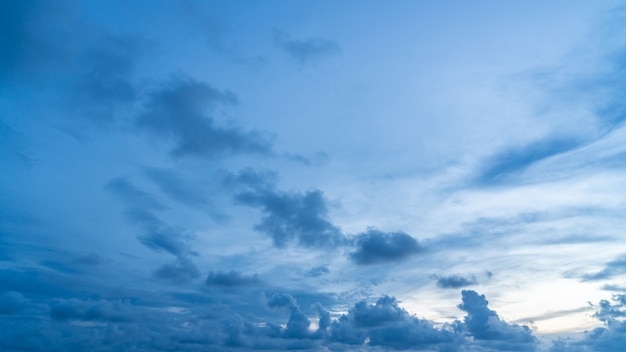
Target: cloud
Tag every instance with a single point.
(230, 279)
(610, 337)
(485, 325)
(33, 37)
(318, 271)
(509, 162)
(177, 113)
(104, 83)
(163, 240)
(281, 300)
(12, 303)
(294, 217)
(455, 281)
(612, 268)
(375, 246)
(89, 310)
(258, 180)
(179, 272)
(131, 194)
(177, 188)
(386, 324)
(307, 50)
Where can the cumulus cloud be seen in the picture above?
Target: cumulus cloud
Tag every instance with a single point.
(307, 50)
(610, 337)
(280, 300)
(294, 217)
(231, 279)
(387, 325)
(177, 112)
(375, 246)
(455, 281)
(484, 325)
(90, 310)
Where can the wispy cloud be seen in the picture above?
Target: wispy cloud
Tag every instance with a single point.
(306, 50)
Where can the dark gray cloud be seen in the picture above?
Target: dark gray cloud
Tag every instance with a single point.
(456, 281)
(294, 217)
(181, 271)
(157, 235)
(231, 279)
(486, 326)
(122, 323)
(375, 246)
(387, 325)
(307, 50)
(281, 300)
(177, 112)
(163, 240)
(90, 310)
(612, 268)
(610, 337)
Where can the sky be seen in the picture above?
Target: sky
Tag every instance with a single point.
(312, 175)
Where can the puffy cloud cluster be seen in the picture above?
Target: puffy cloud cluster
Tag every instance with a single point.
(128, 324)
(610, 337)
(375, 246)
(294, 217)
(302, 218)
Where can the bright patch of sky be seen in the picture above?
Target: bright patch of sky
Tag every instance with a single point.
(200, 175)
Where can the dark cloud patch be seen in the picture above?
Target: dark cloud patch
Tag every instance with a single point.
(612, 268)
(387, 325)
(12, 303)
(294, 217)
(486, 326)
(179, 272)
(90, 310)
(307, 50)
(610, 337)
(178, 113)
(456, 281)
(375, 246)
(281, 300)
(231, 279)
(163, 240)
(507, 163)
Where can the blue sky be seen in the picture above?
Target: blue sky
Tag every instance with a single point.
(297, 175)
